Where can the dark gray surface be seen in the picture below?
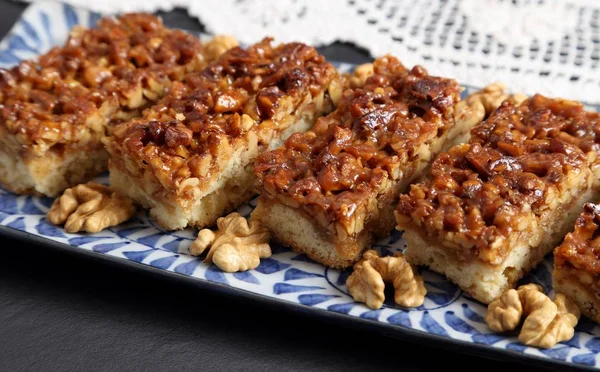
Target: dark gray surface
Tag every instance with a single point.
(63, 312)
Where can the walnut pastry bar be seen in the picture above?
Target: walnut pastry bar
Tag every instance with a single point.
(492, 208)
(189, 158)
(54, 111)
(577, 263)
(328, 192)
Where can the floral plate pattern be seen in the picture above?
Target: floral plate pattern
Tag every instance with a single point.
(287, 277)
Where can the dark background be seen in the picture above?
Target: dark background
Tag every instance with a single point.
(60, 311)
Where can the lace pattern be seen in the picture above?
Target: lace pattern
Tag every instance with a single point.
(534, 46)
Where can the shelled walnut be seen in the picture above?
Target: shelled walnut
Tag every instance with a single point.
(236, 246)
(492, 96)
(90, 207)
(357, 78)
(547, 322)
(218, 45)
(367, 281)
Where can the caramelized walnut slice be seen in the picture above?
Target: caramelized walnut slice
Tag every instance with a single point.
(342, 176)
(90, 207)
(469, 112)
(579, 249)
(236, 246)
(577, 262)
(60, 106)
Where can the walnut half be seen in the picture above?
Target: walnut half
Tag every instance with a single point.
(547, 322)
(367, 281)
(90, 207)
(235, 246)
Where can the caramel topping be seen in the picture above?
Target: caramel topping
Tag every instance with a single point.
(240, 100)
(348, 155)
(581, 248)
(119, 47)
(539, 118)
(499, 184)
(71, 91)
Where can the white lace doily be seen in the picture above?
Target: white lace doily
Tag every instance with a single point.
(534, 46)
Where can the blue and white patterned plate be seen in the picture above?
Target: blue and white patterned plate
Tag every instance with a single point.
(287, 279)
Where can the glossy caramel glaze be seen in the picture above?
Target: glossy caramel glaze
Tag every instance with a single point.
(242, 100)
(72, 91)
(373, 137)
(581, 248)
(540, 118)
(481, 194)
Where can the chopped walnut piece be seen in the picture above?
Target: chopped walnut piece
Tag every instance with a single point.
(90, 207)
(469, 112)
(236, 246)
(492, 96)
(359, 76)
(335, 90)
(547, 322)
(366, 283)
(219, 45)
(223, 117)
